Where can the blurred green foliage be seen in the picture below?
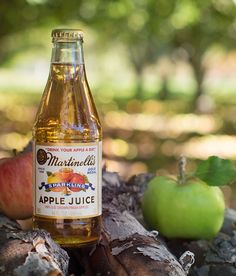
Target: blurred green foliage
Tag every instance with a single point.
(144, 43)
(183, 30)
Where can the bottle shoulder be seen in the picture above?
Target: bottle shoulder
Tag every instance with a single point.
(67, 107)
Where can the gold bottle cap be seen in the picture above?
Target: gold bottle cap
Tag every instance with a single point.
(67, 34)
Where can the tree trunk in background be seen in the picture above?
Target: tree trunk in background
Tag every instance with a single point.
(164, 94)
(139, 85)
(199, 74)
(137, 61)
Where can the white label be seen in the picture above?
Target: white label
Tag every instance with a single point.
(67, 180)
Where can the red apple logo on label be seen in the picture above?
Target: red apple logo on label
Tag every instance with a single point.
(77, 179)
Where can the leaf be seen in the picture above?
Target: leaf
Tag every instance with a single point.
(216, 171)
(49, 173)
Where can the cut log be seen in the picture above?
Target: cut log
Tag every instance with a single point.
(29, 252)
(218, 256)
(126, 247)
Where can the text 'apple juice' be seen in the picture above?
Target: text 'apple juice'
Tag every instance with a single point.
(67, 149)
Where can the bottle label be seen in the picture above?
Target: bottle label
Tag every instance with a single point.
(67, 180)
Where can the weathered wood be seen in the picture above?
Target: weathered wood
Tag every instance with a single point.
(215, 257)
(126, 247)
(29, 252)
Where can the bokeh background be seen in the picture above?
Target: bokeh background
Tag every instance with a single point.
(163, 74)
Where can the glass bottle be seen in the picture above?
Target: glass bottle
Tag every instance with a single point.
(67, 149)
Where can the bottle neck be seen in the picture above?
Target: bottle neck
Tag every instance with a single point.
(67, 52)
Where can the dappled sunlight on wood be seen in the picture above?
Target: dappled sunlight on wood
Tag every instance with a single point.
(14, 140)
(17, 112)
(5, 154)
(120, 148)
(126, 169)
(164, 125)
(201, 147)
(139, 136)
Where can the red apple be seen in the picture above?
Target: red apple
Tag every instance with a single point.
(16, 186)
(77, 179)
(65, 174)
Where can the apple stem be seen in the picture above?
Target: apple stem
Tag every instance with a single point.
(182, 169)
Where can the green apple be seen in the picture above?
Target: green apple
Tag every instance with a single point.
(191, 209)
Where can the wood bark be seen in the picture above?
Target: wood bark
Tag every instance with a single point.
(126, 247)
(215, 257)
(29, 252)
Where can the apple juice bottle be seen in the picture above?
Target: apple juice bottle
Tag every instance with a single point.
(67, 149)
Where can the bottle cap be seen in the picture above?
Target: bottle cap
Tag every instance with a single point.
(67, 34)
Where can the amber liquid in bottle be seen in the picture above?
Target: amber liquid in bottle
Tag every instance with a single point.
(67, 114)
